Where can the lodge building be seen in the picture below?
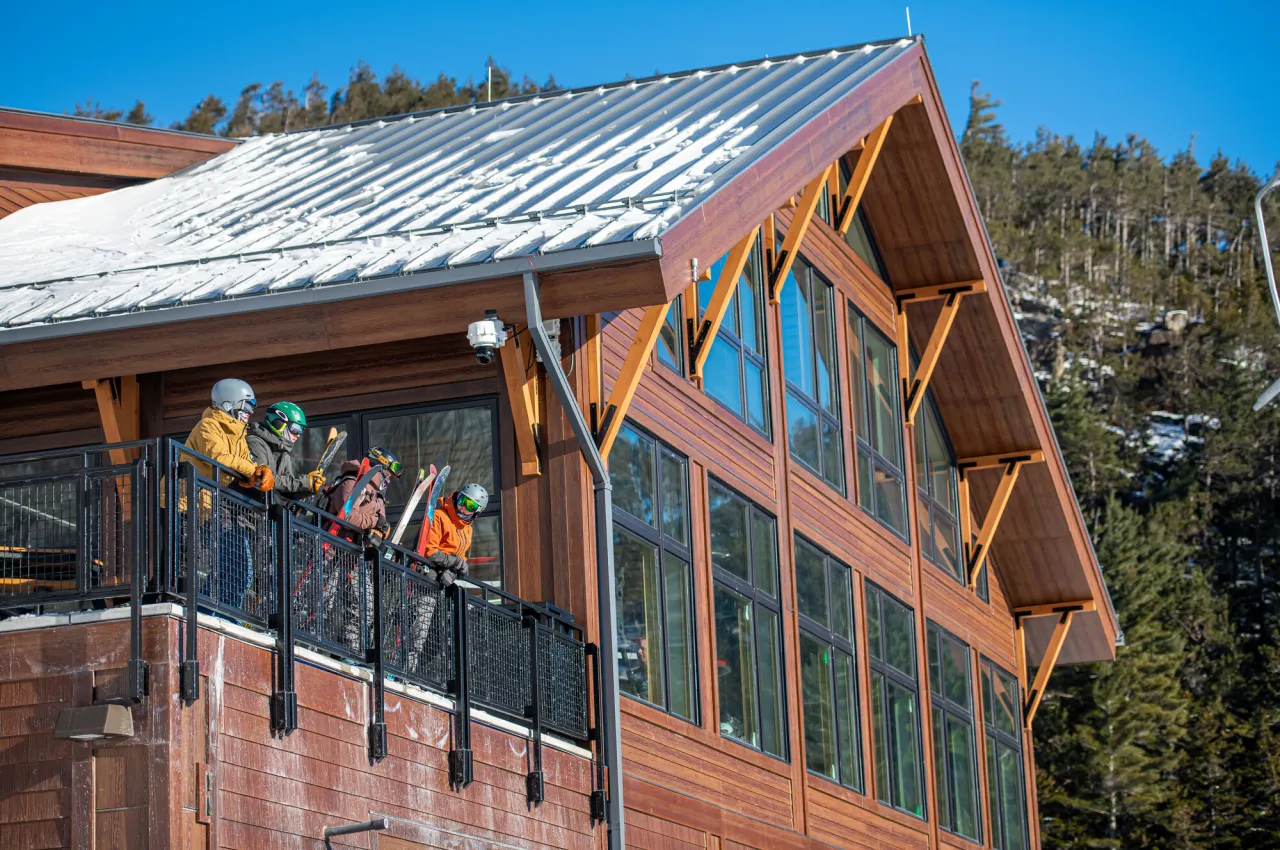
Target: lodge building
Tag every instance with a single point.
(781, 551)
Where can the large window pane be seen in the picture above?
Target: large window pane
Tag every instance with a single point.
(878, 423)
(756, 383)
(832, 454)
(816, 681)
(813, 398)
(764, 552)
(885, 429)
(736, 666)
(671, 345)
(961, 764)
(631, 469)
(905, 730)
(889, 494)
(1011, 799)
(824, 343)
(656, 649)
(848, 723)
(463, 438)
(803, 433)
(936, 480)
(1005, 779)
(891, 633)
(811, 583)
(680, 629)
(729, 547)
(734, 372)
(797, 329)
(640, 656)
(955, 767)
(772, 727)
(751, 303)
(722, 375)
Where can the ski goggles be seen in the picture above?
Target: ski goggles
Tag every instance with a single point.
(295, 429)
(468, 505)
(395, 467)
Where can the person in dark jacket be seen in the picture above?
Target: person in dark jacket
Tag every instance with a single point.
(271, 444)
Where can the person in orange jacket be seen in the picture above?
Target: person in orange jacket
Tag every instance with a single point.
(450, 537)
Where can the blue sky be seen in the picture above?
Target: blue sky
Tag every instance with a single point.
(1162, 69)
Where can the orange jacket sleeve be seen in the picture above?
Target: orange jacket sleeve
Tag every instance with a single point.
(438, 532)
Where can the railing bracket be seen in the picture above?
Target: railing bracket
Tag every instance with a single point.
(190, 681)
(599, 806)
(377, 742)
(139, 686)
(535, 787)
(284, 711)
(460, 775)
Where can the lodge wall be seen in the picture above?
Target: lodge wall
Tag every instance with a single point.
(688, 776)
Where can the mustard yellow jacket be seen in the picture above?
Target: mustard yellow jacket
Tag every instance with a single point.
(220, 437)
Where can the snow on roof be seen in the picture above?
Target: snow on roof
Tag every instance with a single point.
(523, 177)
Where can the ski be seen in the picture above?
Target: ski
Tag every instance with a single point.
(366, 475)
(437, 489)
(331, 446)
(425, 480)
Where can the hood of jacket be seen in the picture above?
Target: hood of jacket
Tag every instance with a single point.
(234, 427)
(351, 467)
(273, 440)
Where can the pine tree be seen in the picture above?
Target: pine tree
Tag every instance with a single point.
(204, 117)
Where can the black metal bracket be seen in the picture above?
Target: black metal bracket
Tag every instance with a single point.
(599, 798)
(775, 279)
(138, 685)
(190, 676)
(284, 698)
(460, 759)
(534, 782)
(374, 655)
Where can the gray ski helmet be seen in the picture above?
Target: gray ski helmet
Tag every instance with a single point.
(470, 501)
(233, 397)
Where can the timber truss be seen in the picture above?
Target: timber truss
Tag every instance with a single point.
(1010, 464)
(1064, 611)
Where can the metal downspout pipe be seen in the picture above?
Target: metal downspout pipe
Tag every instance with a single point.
(611, 735)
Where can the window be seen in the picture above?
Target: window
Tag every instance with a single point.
(461, 434)
(938, 499)
(877, 423)
(744, 561)
(895, 712)
(828, 677)
(1001, 708)
(656, 657)
(808, 347)
(735, 373)
(859, 236)
(671, 337)
(955, 764)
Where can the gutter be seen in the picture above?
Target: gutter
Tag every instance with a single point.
(606, 581)
(645, 249)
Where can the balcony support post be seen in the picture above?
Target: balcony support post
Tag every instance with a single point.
(284, 698)
(460, 762)
(374, 655)
(534, 782)
(190, 677)
(137, 577)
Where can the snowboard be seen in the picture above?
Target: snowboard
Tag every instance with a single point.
(437, 489)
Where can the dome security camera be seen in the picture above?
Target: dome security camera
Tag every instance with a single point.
(487, 336)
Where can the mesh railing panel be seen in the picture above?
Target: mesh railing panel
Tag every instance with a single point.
(109, 516)
(235, 569)
(498, 658)
(39, 536)
(330, 596)
(417, 628)
(562, 683)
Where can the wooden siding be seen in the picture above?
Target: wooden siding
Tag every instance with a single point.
(20, 189)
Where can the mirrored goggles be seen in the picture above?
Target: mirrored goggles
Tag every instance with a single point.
(395, 467)
(295, 429)
(466, 504)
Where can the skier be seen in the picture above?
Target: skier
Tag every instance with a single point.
(450, 536)
(369, 514)
(220, 436)
(448, 541)
(271, 444)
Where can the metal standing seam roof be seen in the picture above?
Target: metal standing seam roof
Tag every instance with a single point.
(594, 169)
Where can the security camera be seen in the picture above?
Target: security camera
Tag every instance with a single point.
(487, 336)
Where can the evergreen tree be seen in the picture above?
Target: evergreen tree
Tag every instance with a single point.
(204, 117)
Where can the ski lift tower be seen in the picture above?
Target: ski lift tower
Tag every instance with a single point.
(1272, 391)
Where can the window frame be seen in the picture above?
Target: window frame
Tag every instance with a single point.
(876, 261)
(758, 598)
(744, 352)
(863, 404)
(889, 674)
(996, 738)
(939, 703)
(924, 487)
(838, 643)
(664, 544)
(675, 320)
(797, 394)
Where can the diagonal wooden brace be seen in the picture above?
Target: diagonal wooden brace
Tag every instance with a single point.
(1064, 612)
(861, 175)
(522, 390)
(721, 298)
(805, 209)
(913, 389)
(624, 389)
(976, 551)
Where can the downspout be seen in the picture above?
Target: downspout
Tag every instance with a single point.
(611, 735)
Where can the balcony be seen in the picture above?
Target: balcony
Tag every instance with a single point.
(131, 524)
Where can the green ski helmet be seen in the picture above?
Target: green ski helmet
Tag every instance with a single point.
(286, 416)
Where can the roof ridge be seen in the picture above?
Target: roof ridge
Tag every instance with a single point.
(546, 95)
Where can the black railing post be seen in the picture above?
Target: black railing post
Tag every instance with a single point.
(284, 699)
(460, 763)
(138, 569)
(534, 782)
(190, 679)
(599, 798)
(373, 654)
(84, 555)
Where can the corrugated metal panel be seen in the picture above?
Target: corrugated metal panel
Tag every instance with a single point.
(558, 172)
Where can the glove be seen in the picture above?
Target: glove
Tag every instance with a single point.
(445, 577)
(376, 537)
(445, 562)
(461, 569)
(262, 479)
(315, 481)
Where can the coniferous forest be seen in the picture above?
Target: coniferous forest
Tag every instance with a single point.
(1137, 278)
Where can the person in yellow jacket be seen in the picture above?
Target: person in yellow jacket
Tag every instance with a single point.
(220, 436)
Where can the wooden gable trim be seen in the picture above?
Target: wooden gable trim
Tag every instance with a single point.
(520, 375)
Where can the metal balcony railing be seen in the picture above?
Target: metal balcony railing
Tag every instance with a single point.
(155, 521)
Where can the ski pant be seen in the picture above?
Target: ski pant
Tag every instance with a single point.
(343, 597)
(230, 579)
(425, 646)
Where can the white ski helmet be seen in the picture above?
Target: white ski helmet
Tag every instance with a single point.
(235, 398)
(470, 501)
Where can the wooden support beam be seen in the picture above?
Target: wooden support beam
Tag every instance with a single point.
(1011, 463)
(1057, 609)
(942, 290)
(976, 554)
(119, 411)
(913, 392)
(624, 389)
(805, 209)
(721, 298)
(520, 373)
(1047, 664)
(969, 464)
(861, 174)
